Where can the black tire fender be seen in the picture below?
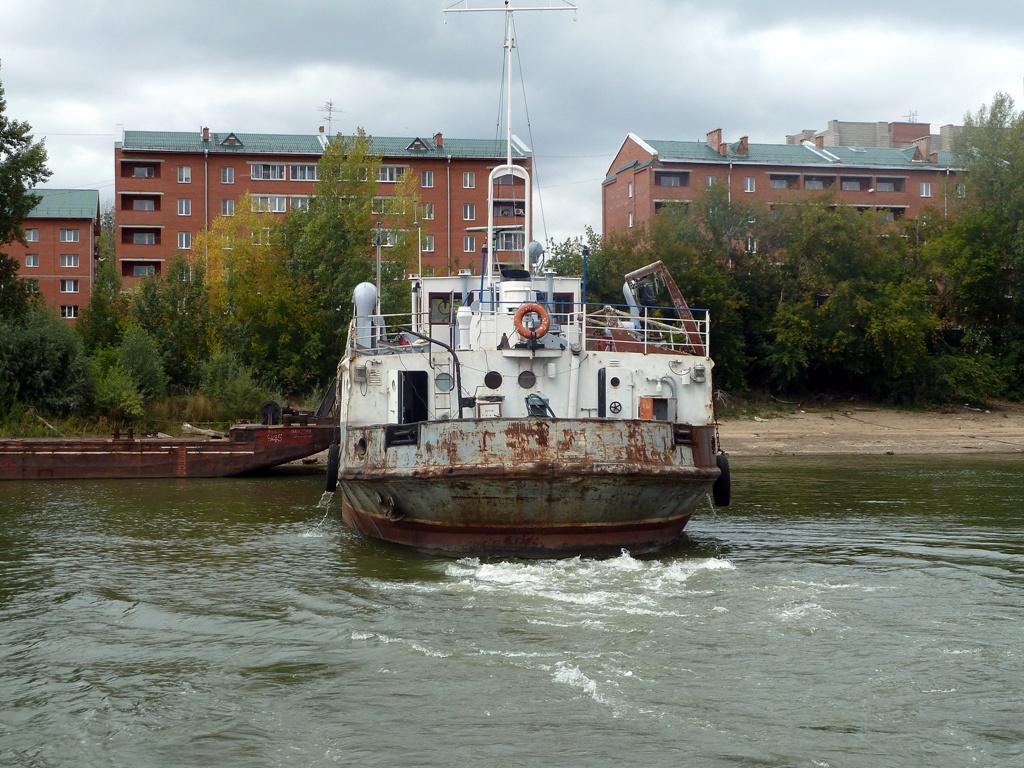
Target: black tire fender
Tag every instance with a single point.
(333, 462)
(721, 491)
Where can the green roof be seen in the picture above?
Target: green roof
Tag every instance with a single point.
(789, 154)
(312, 144)
(66, 204)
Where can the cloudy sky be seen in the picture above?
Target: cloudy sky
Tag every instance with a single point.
(663, 69)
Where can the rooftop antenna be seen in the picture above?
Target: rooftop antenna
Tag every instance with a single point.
(327, 110)
(508, 169)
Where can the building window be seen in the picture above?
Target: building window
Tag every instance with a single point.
(69, 286)
(748, 184)
(32, 235)
(184, 174)
(782, 181)
(961, 190)
(427, 179)
(819, 182)
(69, 260)
(712, 180)
(271, 203)
(143, 172)
(300, 203)
(184, 207)
(69, 311)
(468, 179)
(751, 245)
(889, 185)
(511, 241)
(469, 212)
(32, 286)
(851, 185)
(69, 235)
(184, 241)
(304, 173)
(629, 190)
(428, 243)
(143, 270)
(143, 204)
(227, 207)
(630, 218)
(390, 174)
(266, 171)
(31, 260)
(427, 212)
(673, 179)
(227, 175)
(469, 244)
(926, 189)
(144, 238)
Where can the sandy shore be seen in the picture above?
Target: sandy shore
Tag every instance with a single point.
(877, 431)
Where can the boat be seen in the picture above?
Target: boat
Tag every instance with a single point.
(504, 416)
(246, 448)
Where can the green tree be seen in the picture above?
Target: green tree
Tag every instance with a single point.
(174, 309)
(331, 245)
(101, 320)
(42, 364)
(22, 167)
(259, 307)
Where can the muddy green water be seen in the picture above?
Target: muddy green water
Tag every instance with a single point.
(843, 612)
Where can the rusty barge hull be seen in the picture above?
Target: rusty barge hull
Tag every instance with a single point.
(532, 488)
(248, 448)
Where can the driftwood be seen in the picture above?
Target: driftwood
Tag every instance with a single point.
(189, 429)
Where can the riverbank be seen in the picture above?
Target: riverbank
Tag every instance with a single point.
(858, 431)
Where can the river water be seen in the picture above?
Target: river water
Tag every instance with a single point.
(843, 612)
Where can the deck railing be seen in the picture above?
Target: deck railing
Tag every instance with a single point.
(602, 327)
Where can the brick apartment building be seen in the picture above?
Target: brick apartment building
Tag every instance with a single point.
(171, 185)
(894, 170)
(59, 261)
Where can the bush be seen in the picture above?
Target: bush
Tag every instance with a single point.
(42, 364)
(225, 379)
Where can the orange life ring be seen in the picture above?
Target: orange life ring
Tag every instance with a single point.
(535, 333)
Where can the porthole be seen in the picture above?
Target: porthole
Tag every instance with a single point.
(615, 382)
(444, 382)
(492, 380)
(527, 379)
(361, 447)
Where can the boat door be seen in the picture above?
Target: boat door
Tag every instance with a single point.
(407, 397)
(615, 393)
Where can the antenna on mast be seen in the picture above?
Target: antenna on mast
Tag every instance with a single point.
(509, 168)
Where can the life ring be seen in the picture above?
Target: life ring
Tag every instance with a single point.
(534, 333)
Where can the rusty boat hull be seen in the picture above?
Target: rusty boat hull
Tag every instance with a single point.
(526, 487)
(247, 448)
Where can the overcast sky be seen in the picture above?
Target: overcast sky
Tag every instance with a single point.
(663, 69)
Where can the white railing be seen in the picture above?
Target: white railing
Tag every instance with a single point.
(604, 328)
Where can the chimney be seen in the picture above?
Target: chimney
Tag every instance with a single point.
(743, 150)
(438, 140)
(321, 129)
(714, 140)
(206, 133)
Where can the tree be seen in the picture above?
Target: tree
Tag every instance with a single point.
(330, 245)
(22, 167)
(42, 364)
(100, 323)
(174, 309)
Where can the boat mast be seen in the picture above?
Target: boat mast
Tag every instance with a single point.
(509, 168)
